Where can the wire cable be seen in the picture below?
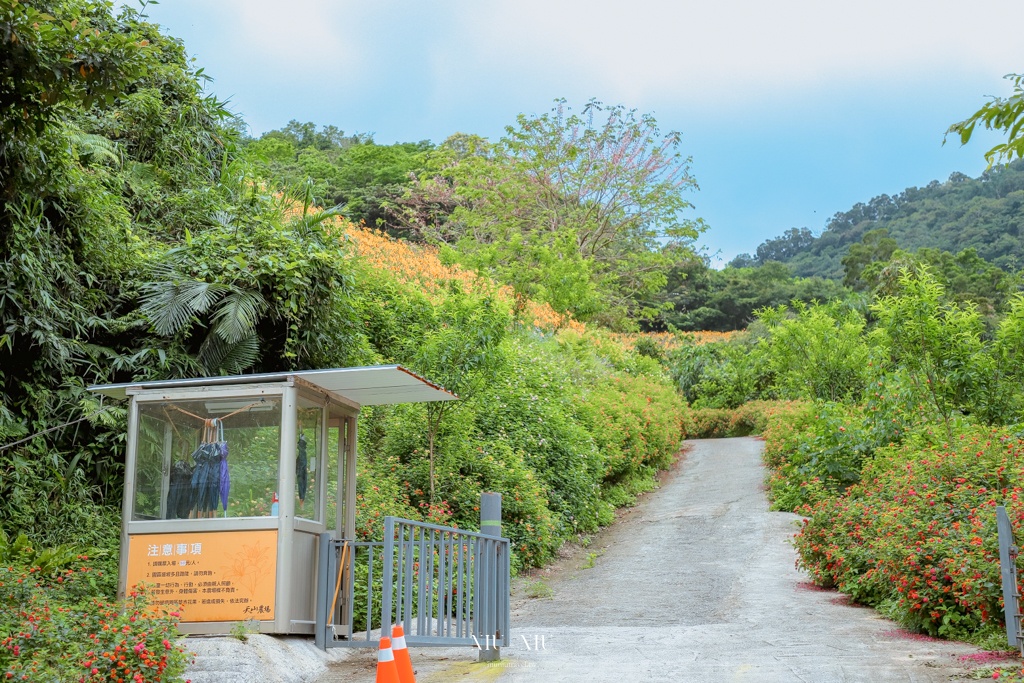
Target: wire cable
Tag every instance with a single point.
(53, 429)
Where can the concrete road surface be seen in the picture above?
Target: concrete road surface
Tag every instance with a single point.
(697, 583)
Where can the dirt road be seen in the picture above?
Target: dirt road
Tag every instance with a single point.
(697, 583)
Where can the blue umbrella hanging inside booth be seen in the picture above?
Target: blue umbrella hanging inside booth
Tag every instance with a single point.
(179, 493)
(225, 475)
(206, 475)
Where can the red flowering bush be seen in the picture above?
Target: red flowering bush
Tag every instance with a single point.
(917, 536)
(52, 630)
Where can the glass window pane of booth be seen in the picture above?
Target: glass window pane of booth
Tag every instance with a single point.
(335, 440)
(208, 458)
(307, 460)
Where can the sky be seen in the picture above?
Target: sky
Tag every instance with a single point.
(792, 110)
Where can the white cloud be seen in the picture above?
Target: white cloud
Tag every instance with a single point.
(455, 60)
(300, 36)
(303, 34)
(728, 48)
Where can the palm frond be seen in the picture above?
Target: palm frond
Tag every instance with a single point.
(309, 220)
(171, 305)
(220, 357)
(95, 148)
(237, 315)
(224, 219)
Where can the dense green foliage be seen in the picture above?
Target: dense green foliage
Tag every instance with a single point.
(569, 209)
(92, 190)
(720, 375)
(698, 297)
(352, 172)
(718, 423)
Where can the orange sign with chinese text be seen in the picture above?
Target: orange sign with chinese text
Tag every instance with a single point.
(208, 576)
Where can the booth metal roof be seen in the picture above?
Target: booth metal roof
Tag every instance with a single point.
(368, 386)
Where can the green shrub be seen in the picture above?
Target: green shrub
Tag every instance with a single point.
(715, 423)
(530, 406)
(816, 351)
(751, 418)
(720, 374)
(467, 465)
(819, 448)
(711, 423)
(635, 422)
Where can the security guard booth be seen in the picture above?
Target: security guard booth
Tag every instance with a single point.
(229, 482)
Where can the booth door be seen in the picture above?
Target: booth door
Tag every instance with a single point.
(309, 498)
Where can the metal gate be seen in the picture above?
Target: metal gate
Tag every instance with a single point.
(1008, 570)
(446, 586)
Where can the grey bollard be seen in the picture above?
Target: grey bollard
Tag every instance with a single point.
(490, 525)
(490, 514)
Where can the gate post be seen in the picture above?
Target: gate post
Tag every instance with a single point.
(387, 579)
(490, 525)
(323, 590)
(1008, 571)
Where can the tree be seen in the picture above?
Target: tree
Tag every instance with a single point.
(698, 297)
(743, 260)
(603, 189)
(306, 136)
(938, 343)
(785, 247)
(352, 172)
(876, 245)
(459, 352)
(1004, 114)
(56, 54)
(108, 149)
(818, 351)
(370, 176)
(84, 177)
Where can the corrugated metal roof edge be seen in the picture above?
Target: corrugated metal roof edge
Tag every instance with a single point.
(120, 390)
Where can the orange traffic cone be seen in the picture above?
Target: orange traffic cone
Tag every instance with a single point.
(401, 652)
(387, 672)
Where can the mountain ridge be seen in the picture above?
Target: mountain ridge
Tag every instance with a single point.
(985, 213)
